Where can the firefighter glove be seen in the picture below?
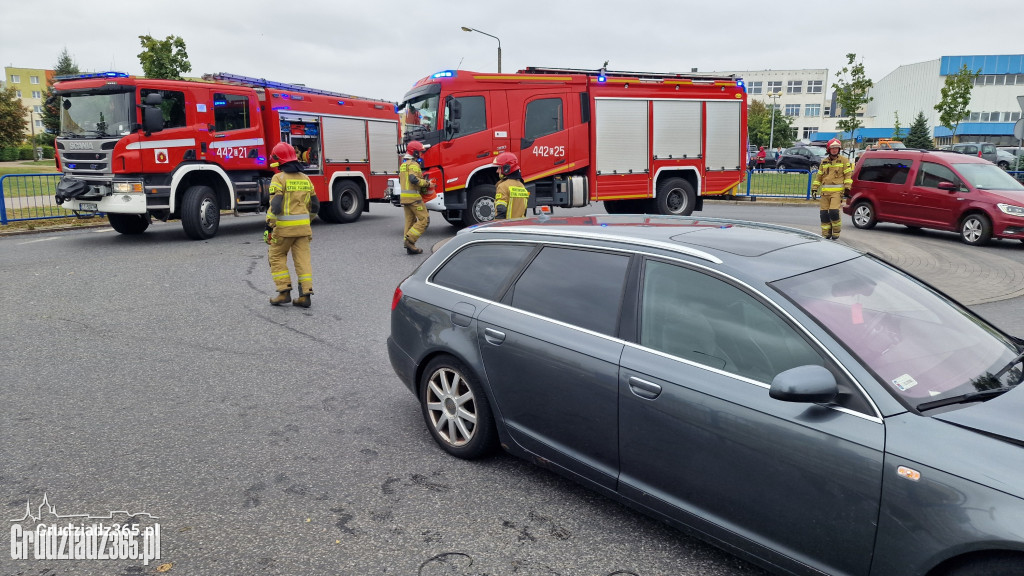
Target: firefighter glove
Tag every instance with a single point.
(501, 210)
(268, 234)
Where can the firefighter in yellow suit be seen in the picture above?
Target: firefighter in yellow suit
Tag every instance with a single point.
(510, 195)
(414, 186)
(832, 181)
(293, 203)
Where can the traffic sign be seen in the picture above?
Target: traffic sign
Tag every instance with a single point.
(1018, 129)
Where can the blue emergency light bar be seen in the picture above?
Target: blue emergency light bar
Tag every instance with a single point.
(444, 74)
(92, 75)
(263, 83)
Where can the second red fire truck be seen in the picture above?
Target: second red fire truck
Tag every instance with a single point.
(639, 142)
(138, 148)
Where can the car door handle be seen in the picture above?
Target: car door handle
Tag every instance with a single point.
(494, 336)
(557, 162)
(483, 155)
(643, 388)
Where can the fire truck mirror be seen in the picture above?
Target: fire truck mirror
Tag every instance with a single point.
(153, 99)
(452, 128)
(152, 118)
(454, 108)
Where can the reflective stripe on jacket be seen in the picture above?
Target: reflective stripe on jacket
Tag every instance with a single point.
(292, 203)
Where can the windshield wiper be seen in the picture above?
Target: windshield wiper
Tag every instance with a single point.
(1009, 365)
(963, 398)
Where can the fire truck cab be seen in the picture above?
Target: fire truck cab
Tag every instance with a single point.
(138, 148)
(639, 142)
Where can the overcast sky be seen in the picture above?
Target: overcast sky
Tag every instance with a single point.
(379, 49)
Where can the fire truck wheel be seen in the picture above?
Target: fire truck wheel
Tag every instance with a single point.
(200, 214)
(675, 197)
(481, 205)
(347, 203)
(129, 223)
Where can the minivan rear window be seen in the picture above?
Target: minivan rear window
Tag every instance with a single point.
(885, 170)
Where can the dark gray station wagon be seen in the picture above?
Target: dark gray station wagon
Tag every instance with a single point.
(793, 401)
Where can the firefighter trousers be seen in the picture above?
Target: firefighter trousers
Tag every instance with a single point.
(828, 206)
(278, 254)
(416, 221)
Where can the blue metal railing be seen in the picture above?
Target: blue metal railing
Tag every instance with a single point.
(779, 184)
(1017, 174)
(30, 197)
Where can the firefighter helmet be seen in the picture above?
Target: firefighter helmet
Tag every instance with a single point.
(834, 143)
(415, 147)
(283, 153)
(507, 163)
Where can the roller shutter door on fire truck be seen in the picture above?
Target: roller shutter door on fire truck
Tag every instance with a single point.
(723, 144)
(383, 139)
(621, 133)
(344, 140)
(677, 129)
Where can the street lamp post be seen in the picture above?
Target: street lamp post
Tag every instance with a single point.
(466, 29)
(771, 135)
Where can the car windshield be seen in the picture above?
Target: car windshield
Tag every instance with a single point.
(104, 114)
(418, 116)
(921, 345)
(817, 151)
(987, 176)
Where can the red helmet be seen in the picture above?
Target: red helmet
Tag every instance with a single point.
(415, 147)
(283, 153)
(834, 143)
(506, 162)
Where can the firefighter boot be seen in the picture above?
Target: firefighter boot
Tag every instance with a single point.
(283, 297)
(303, 299)
(410, 247)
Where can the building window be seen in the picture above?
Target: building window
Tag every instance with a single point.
(754, 87)
(795, 87)
(15, 79)
(984, 116)
(975, 117)
(17, 93)
(33, 79)
(39, 123)
(808, 130)
(774, 87)
(37, 94)
(814, 86)
(792, 109)
(795, 132)
(828, 111)
(37, 109)
(1014, 116)
(812, 110)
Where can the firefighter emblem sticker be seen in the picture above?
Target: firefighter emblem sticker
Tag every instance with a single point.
(161, 155)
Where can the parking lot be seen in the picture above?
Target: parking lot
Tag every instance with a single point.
(148, 373)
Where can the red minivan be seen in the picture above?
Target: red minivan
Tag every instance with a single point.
(937, 189)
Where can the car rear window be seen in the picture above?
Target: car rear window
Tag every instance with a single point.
(885, 170)
(579, 287)
(483, 269)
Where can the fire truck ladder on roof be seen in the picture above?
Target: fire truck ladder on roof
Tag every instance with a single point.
(263, 83)
(623, 74)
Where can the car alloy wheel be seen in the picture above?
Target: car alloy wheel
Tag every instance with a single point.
(456, 410)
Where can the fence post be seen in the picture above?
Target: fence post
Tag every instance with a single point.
(750, 176)
(809, 178)
(3, 202)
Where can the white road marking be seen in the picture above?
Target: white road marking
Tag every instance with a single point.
(37, 240)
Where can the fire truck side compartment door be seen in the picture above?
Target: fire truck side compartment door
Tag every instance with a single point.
(621, 131)
(677, 129)
(724, 136)
(345, 140)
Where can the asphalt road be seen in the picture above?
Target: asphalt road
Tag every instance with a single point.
(149, 374)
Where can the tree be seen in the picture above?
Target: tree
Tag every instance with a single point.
(51, 112)
(759, 126)
(896, 128)
(12, 118)
(956, 97)
(165, 58)
(851, 88)
(919, 136)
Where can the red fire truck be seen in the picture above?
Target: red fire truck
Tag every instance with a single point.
(639, 142)
(138, 148)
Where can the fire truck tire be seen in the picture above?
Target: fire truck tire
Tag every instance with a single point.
(200, 214)
(346, 205)
(129, 223)
(675, 197)
(481, 205)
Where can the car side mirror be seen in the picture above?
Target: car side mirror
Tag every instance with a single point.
(948, 186)
(810, 384)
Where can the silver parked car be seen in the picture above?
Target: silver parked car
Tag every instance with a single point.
(796, 402)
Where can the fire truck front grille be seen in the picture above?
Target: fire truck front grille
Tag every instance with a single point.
(83, 157)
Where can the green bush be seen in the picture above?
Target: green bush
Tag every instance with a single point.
(48, 152)
(8, 154)
(26, 153)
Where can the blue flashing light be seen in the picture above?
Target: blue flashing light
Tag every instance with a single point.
(397, 109)
(341, 102)
(261, 160)
(602, 78)
(285, 96)
(444, 74)
(219, 102)
(281, 108)
(108, 74)
(740, 83)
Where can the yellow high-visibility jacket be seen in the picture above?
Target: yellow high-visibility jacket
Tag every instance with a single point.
(834, 175)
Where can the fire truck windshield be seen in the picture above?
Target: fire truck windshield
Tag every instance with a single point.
(104, 114)
(418, 116)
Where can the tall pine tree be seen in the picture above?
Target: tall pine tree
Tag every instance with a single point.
(51, 113)
(919, 136)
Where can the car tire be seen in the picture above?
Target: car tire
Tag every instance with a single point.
(456, 410)
(1002, 565)
(346, 205)
(481, 205)
(781, 166)
(129, 223)
(200, 214)
(976, 229)
(1004, 164)
(863, 215)
(675, 198)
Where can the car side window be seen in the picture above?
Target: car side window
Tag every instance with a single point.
(474, 115)
(884, 170)
(231, 112)
(579, 287)
(706, 320)
(930, 174)
(484, 269)
(543, 117)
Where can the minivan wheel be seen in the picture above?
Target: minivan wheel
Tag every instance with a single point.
(456, 410)
(864, 216)
(975, 229)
